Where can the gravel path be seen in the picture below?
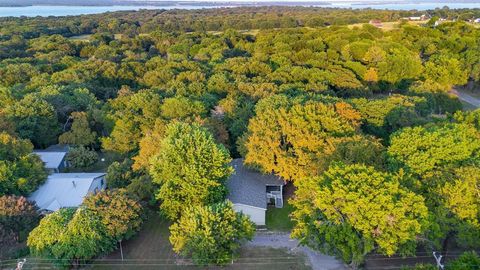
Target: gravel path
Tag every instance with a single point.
(317, 260)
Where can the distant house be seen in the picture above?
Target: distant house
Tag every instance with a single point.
(251, 191)
(54, 157)
(67, 190)
(376, 23)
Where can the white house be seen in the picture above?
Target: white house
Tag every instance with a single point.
(251, 191)
(55, 161)
(67, 190)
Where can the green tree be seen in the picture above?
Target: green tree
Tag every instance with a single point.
(462, 195)
(21, 172)
(441, 73)
(81, 157)
(120, 174)
(427, 149)
(131, 115)
(35, 119)
(80, 133)
(70, 237)
(400, 66)
(211, 234)
(121, 215)
(351, 210)
(83, 238)
(42, 239)
(381, 117)
(190, 168)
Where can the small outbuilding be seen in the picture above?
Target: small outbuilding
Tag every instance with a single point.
(55, 161)
(251, 191)
(67, 190)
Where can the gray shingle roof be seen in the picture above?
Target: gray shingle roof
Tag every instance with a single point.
(248, 187)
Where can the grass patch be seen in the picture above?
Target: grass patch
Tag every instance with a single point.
(278, 219)
(151, 249)
(81, 37)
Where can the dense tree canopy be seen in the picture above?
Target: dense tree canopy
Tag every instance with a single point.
(351, 210)
(424, 150)
(294, 91)
(293, 138)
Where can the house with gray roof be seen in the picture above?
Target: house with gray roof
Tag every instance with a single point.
(251, 191)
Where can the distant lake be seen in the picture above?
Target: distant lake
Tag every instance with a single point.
(32, 11)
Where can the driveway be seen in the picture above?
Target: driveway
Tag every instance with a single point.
(467, 98)
(317, 260)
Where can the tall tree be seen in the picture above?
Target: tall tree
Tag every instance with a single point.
(70, 237)
(80, 133)
(190, 168)
(121, 215)
(351, 210)
(292, 137)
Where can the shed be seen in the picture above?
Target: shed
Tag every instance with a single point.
(55, 161)
(67, 190)
(250, 191)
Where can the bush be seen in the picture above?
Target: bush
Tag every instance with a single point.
(81, 157)
(467, 261)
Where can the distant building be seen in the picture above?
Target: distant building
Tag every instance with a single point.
(67, 190)
(251, 191)
(55, 162)
(477, 20)
(376, 23)
(417, 18)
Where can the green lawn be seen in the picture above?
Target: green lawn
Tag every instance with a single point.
(278, 218)
(151, 249)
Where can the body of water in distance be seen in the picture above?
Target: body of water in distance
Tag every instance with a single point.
(32, 11)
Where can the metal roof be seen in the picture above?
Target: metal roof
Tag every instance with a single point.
(63, 190)
(52, 160)
(248, 187)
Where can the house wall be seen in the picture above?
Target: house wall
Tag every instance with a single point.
(98, 184)
(257, 215)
